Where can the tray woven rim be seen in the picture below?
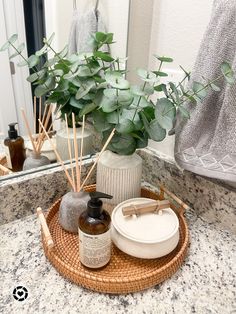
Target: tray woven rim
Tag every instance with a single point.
(95, 280)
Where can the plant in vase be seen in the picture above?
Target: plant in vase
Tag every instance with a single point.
(94, 84)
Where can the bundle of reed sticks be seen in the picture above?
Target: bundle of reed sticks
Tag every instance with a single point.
(75, 178)
(38, 139)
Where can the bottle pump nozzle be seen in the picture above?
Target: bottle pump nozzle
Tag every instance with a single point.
(95, 204)
(12, 132)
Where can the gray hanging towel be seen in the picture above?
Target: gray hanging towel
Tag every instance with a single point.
(206, 143)
(83, 25)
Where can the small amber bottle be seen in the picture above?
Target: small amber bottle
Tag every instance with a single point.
(15, 150)
(94, 233)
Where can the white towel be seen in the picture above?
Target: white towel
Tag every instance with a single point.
(82, 26)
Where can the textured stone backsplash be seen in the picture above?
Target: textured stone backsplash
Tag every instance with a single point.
(212, 201)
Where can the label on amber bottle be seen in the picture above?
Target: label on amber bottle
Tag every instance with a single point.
(94, 250)
(8, 157)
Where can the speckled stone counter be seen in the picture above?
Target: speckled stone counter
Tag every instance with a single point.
(204, 284)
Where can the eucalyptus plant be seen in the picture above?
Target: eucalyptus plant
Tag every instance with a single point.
(94, 84)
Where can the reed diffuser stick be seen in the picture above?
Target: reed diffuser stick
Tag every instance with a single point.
(40, 109)
(42, 135)
(28, 129)
(44, 114)
(98, 157)
(35, 115)
(57, 155)
(76, 155)
(69, 150)
(81, 147)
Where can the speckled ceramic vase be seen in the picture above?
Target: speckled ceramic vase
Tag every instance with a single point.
(119, 176)
(62, 142)
(34, 161)
(72, 205)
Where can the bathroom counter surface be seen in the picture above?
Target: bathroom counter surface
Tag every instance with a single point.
(204, 284)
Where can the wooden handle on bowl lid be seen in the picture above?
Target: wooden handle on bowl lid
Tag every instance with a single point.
(46, 232)
(147, 207)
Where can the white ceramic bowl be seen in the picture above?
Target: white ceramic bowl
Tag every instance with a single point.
(149, 235)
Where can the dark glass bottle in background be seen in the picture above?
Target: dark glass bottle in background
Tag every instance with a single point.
(15, 149)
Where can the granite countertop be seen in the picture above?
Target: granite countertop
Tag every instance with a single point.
(204, 284)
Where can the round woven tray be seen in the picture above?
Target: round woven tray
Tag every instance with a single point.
(124, 273)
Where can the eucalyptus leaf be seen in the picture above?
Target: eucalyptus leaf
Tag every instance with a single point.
(108, 104)
(175, 91)
(112, 117)
(63, 53)
(159, 88)
(184, 112)
(50, 82)
(160, 73)
(125, 127)
(5, 46)
(58, 72)
(40, 90)
(123, 144)
(33, 77)
(13, 38)
(86, 71)
(215, 87)
(228, 72)
(32, 61)
(146, 76)
(51, 62)
(153, 128)
(49, 41)
(142, 140)
(41, 51)
(19, 51)
(103, 56)
(63, 85)
(100, 37)
(164, 59)
(87, 109)
(141, 102)
(84, 89)
(165, 113)
(199, 89)
(76, 103)
(100, 122)
(116, 80)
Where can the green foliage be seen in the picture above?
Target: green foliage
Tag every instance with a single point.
(94, 84)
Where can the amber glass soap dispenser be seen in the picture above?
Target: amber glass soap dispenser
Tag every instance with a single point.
(15, 150)
(94, 233)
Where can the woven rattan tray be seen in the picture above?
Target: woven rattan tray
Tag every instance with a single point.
(124, 274)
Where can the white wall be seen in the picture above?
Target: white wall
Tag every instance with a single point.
(177, 30)
(139, 37)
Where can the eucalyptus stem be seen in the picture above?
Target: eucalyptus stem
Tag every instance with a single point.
(160, 65)
(35, 71)
(140, 97)
(201, 89)
(117, 103)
